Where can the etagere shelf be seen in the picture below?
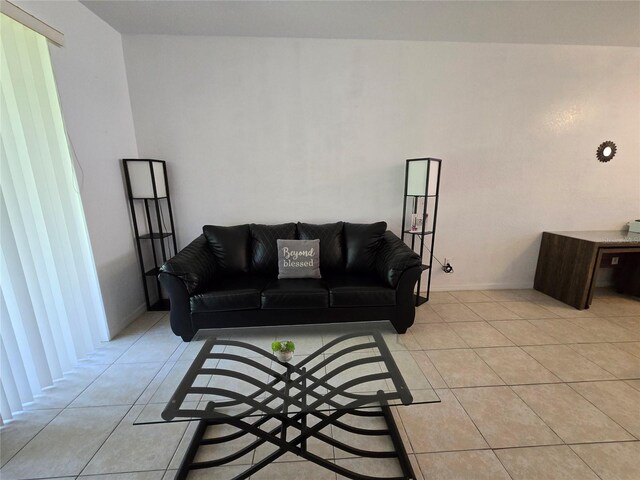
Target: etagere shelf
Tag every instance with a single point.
(420, 213)
(148, 192)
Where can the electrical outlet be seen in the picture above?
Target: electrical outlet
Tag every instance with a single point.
(446, 266)
(615, 260)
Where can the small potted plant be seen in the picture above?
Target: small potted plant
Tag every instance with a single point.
(283, 349)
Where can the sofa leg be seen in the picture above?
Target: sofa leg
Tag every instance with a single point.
(400, 328)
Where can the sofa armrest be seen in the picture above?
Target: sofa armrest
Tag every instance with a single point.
(405, 299)
(195, 265)
(180, 312)
(191, 270)
(393, 258)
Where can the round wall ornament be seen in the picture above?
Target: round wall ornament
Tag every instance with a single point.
(606, 151)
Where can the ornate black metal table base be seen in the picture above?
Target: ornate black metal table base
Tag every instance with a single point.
(298, 445)
(299, 393)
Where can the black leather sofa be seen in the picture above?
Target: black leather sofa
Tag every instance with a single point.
(227, 277)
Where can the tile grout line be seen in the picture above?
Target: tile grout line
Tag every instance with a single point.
(438, 371)
(604, 413)
(490, 368)
(92, 475)
(580, 443)
(536, 414)
(573, 320)
(474, 386)
(594, 362)
(34, 436)
(538, 384)
(470, 418)
(614, 344)
(130, 407)
(541, 366)
(585, 462)
(526, 446)
(72, 400)
(504, 467)
(560, 341)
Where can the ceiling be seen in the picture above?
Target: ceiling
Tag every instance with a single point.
(610, 23)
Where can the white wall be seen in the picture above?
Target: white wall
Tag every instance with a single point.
(92, 84)
(271, 130)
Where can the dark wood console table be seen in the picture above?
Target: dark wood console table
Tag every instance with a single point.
(568, 262)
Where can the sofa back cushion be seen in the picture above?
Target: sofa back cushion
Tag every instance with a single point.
(230, 246)
(331, 244)
(264, 246)
(362, 241)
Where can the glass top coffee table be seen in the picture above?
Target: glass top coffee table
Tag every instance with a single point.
(340, 385)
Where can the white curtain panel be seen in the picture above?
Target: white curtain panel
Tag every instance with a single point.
(51, 311)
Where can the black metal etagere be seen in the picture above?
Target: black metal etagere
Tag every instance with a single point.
(421, 192)
(148, 189)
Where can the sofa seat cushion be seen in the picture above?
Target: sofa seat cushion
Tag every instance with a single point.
(226, 300)
(232, 293)
(295, 293)
(359, 291)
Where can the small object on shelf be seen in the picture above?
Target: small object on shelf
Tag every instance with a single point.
(634, 226)
(420, 211)
(148, 188)
(419, 220)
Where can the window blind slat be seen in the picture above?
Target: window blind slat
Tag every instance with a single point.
(40, 294)
(16, 369)
(9, 386)
(28, 337)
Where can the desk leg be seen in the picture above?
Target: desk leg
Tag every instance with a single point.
(594, 276)
(566, 269)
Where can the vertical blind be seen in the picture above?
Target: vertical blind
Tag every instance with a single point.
(51, 311)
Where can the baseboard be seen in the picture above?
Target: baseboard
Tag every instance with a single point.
(481, 286)
(139, 310)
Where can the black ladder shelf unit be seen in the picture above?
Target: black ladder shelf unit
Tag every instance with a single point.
(148, 189)
(420, 208)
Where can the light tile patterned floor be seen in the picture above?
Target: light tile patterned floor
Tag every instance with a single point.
(530, 389)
